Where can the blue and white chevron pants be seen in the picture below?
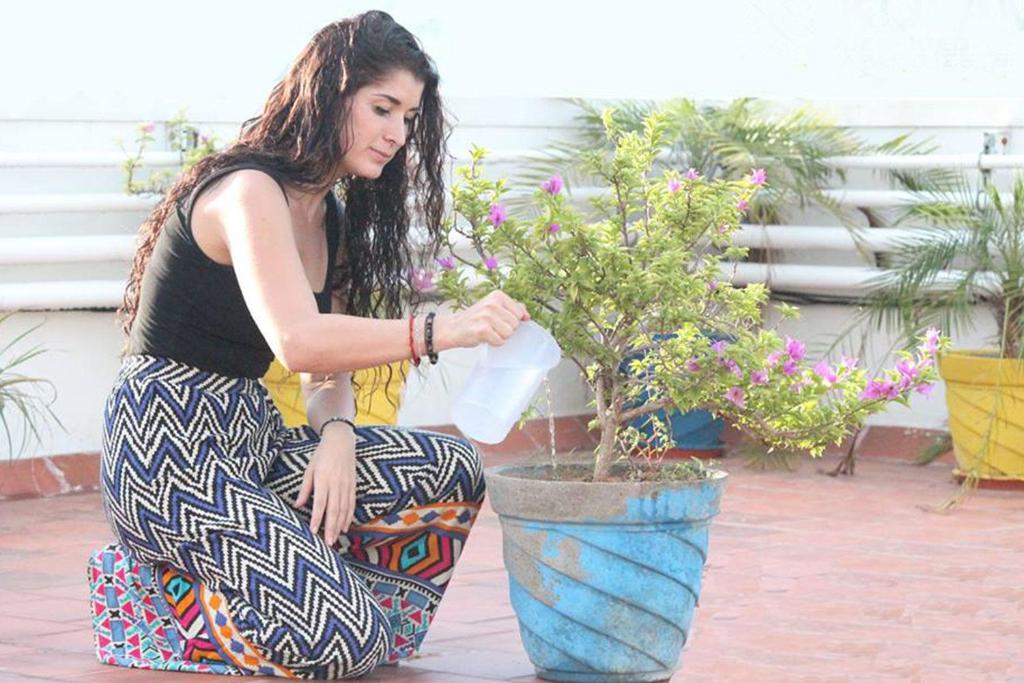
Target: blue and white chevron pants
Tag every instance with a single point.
(198, 472)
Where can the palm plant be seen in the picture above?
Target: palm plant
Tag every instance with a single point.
(966, 247)
(723, 142)
(22, 395)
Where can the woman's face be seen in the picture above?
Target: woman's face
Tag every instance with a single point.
(379, 121)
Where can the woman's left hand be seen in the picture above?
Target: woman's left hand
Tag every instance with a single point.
(331, 478)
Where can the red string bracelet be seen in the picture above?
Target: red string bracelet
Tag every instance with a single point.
(412, 346)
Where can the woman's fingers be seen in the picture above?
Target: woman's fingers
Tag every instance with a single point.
(319, 507)
(307, 487)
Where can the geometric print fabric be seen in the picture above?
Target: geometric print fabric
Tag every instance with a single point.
(197, 476)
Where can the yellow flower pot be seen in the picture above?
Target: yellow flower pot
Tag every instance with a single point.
(376, 403)
(985, 397)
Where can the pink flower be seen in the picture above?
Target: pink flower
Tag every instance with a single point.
(446, 262)
(491, 262)
(552, 185)
(848, 363)
(798, 386)
(147, 127)
(498, 214)
(789, 368)
(736, 396)
(773, 358)
(203, 138)
(879, 389)
(554, 229)
(674, 185)
(908, 372)
(743, 205)
(925, 389)
(825, 372)
(733, 367)
(712, 285)
(692, 365)
(719, 346)
(759, 377)
(758, 176)
(795, 348)
(723, 228)
(692, 174)
(422, 280)
(931, 341)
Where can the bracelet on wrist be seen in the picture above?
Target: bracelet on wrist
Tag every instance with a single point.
(412, 341)
(428, 336)
(329, 420)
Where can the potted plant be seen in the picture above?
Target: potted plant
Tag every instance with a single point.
(605, 557)
(966, 249)
(28, 398)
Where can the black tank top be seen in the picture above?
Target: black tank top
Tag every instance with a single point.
(191, 308)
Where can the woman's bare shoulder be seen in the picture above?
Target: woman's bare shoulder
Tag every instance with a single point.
(245, 195)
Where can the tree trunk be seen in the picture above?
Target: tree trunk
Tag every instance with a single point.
(606, 414)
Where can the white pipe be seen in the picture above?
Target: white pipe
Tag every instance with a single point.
(825, 237)
(907, 162)
(77, 249)
(89, 159)
(834, 280)
(75, 203)
(52, 296)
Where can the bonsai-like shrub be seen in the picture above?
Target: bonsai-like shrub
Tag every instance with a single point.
(646, 285)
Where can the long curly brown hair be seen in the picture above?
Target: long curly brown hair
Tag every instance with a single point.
(297, 137)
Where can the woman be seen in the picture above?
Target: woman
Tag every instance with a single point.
(314, 552)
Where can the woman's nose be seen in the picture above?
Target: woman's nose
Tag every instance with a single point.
(396, 133)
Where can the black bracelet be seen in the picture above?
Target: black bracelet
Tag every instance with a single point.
(428, 332)
(329, 420)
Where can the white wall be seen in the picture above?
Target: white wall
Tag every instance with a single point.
(120, 59)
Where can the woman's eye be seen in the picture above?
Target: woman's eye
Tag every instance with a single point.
(381, 110)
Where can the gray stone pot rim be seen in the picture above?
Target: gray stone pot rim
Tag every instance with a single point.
(611, 501)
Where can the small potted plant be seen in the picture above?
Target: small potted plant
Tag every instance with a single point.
(605, 557)
(966, 249)
(22, 396)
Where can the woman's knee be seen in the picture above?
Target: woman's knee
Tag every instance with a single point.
(467, 465)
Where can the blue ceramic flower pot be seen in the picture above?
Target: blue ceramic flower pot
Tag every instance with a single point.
(603, 576)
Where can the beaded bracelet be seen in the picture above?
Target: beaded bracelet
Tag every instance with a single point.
(329, 420)
(428, 334)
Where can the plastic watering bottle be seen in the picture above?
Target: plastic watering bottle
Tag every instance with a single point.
(502, 383)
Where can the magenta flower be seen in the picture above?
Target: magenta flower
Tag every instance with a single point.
(446, 262)
(736, 396)
(498, 214)
(723, 228)
(552, 185)
(491, 262)
(692, 365)
(203, 138)
(789, 368)
(674, 185)
(798, 386)
(879, 389)
(554, 229)
(759, 377)
(931, 341)
(908, 371)
(692, 174)
(773, 358)
(719, 346)
(825, 372)
(712, 285)
(733, 367)
(422, 280)
(925, 389)
(147, 127)
(743, 205)
(758, 176)
(795, 348)
(848, 363)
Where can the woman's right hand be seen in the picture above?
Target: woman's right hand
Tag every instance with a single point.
(490, 320)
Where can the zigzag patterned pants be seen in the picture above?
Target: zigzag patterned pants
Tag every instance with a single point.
(198, 473)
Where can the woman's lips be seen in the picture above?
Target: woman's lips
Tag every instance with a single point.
(384, 158)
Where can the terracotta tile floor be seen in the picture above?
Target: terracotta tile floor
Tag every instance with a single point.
(810, 578)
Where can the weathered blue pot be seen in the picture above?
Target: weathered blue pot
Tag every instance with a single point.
(603, 576)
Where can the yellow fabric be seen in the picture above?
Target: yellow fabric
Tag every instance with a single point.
(372, 398)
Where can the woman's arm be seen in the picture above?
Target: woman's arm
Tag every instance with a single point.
(249, 212)
(327, 396)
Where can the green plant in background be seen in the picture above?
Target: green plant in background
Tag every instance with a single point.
(724, 142)
(27, 397)
(645, 276)
(180, 136)
(965, 246)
